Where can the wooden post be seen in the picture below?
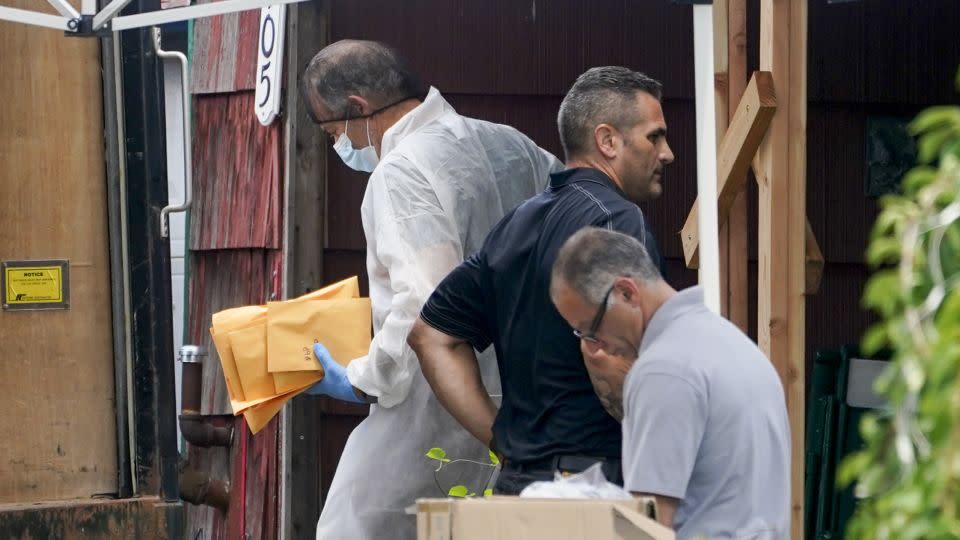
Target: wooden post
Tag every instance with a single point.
(721, 66)
(733, 237)
(782, 220)
(304, 219)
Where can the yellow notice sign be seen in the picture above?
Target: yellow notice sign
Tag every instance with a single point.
(35, 284)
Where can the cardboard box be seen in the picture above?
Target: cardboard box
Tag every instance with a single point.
(515, 518)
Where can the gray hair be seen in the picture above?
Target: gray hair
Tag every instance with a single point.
(372, 70)
(593, 258)
(601, 95)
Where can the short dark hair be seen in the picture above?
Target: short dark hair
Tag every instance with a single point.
(601, 95)
(370, 69)
(593, 258)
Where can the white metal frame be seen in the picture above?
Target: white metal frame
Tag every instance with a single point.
(708, 222)
(106, 19)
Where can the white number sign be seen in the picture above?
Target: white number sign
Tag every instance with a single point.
(270, 62)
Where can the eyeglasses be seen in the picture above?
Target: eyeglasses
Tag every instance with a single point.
(591, 334)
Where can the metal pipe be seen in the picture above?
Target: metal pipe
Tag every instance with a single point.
(64, 8)
(187, 150)
(199, 488)
(197, 429)
(107, 12)
(37, 19)
(125, 22)
(125, 262)
(116, 201)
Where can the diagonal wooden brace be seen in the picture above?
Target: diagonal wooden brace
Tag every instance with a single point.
(737, 150)
(814, 263)
(739, 145)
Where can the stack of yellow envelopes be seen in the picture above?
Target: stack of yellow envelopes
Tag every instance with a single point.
(267, 351)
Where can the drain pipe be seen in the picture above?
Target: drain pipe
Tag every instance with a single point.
(196, 486)
(196, 428)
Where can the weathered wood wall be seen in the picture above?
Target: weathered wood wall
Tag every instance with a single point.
(235, 257)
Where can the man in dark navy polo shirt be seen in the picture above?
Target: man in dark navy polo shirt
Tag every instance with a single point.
(550, 419)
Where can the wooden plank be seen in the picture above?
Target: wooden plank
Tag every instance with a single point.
(305, 188)
(782, 222)
(305, 161)
(260, 489)
(142, 517)
(813, 258)
(224, 53)
(236, 175)
(721, 65)
(56, 372)
(737, 149)
(737, 281)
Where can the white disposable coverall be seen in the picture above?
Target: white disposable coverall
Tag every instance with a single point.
(443, 181)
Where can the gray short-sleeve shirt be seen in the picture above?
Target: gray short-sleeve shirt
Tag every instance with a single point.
(705, 422)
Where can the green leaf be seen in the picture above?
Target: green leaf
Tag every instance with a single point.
(438, 454)
(875, 339)
(883, 251)
(918, 178)
(929, 145)
(493, 458)
(487, 492)
(882, 292)
(935, 118)
(851, 468)
(458, 491)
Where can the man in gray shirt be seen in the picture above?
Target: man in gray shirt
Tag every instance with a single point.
(705, 427)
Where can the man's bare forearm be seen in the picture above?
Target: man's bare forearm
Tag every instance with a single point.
(450, 367)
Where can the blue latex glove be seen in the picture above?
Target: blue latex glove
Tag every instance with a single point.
(335, 383)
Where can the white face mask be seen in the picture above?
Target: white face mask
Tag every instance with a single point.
(363, 159)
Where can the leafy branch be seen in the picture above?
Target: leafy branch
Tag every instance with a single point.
(908, 473)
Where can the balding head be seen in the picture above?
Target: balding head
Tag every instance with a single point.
(371, 70)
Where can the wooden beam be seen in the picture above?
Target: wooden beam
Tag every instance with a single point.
(813, 271)
(308, 30)
(734, 272)
(737, 149)
(721, 66)
(781, 306)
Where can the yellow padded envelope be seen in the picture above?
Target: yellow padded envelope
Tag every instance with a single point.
(249, 352)
(240, 336)
(348, 288)
(342, 325)
(241, 317)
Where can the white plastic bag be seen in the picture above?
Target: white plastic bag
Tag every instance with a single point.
(590, 484)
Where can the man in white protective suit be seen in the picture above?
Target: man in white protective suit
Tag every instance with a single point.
(438, 183)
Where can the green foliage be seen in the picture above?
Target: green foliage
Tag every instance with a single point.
(440, 456)
(909, 469)
(458, 491)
